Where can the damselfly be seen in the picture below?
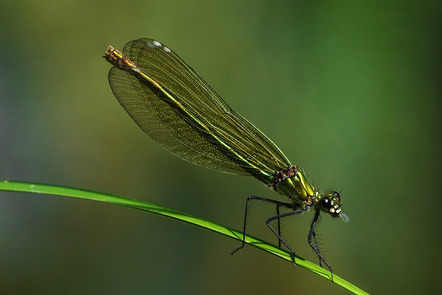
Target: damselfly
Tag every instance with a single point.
(178, 109)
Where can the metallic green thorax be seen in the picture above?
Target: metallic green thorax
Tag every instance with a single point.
(294, 184)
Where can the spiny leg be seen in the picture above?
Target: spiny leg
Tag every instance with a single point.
(279, 224)
(315, 246)
(281, 240)
(249, 199)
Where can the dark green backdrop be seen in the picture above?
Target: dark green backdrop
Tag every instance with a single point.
(349, 90)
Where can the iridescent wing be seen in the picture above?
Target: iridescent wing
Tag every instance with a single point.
(179, 110)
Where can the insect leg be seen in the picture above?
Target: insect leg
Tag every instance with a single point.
(281, 240)
(315, 246)
(249, 199)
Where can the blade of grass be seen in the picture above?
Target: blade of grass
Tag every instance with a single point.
(14, 186)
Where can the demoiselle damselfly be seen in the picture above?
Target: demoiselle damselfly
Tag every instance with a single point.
(172, 104)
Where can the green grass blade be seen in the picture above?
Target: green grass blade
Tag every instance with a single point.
(175, 214)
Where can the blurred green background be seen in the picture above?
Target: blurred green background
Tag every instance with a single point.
(349, 90)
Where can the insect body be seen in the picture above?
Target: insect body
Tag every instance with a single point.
(172, 104)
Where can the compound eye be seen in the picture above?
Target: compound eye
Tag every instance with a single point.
(326, 203)
(336, 197)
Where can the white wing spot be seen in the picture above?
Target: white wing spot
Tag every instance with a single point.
(166, 49)
(149, 45)
(156, 43)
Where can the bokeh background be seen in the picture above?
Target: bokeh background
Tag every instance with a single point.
(349, 90)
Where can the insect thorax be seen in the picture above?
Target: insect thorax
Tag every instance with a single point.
(294, 184)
